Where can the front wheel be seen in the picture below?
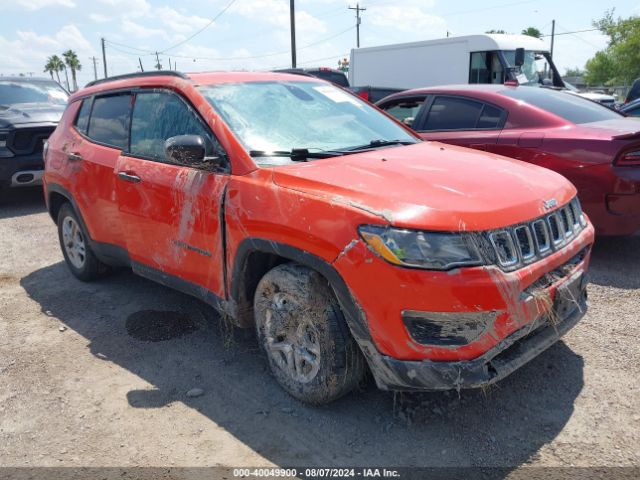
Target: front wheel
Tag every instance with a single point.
(301, 328)
(75, 246)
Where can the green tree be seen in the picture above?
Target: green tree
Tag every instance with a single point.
(532, 32)
(496, 31)
(620, 61)
(54, 65)
(71, 61)
(601, 69)
(49, 68)
(574, 72)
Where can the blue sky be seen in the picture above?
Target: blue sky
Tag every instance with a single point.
(254, 34)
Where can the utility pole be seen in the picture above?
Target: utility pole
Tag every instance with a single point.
(141, 67)
(292, 16)
(158, 66)
(358, 9)
(553, 33)
(95, 67)
(104, 58)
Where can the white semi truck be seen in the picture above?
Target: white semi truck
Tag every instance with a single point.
(455, 60)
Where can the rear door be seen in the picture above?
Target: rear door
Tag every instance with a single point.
(171, 213)
(461, 121)
(91, 150)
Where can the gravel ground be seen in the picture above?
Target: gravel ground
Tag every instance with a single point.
(125, 372)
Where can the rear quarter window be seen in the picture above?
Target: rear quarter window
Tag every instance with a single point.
(82, 120)
(565, 105)
(109, 122)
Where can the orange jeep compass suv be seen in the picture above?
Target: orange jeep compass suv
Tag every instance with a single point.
(294, 207)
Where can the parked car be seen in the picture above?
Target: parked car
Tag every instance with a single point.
(374, 94)
(634, 92)
(597, 96)
(337, 77)
(631, 109)
(300, 210)
(30, 109)
(598, 149)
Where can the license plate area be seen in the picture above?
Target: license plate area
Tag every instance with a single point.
(570, 296)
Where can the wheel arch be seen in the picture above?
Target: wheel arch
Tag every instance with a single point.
(256, 256)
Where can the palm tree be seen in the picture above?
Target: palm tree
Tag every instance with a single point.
(48, 67)
(54, 64)
(71, 61)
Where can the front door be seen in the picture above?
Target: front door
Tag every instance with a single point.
(171, 213)
(461, 121)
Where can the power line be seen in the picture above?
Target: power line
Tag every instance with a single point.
(573, 33)
(220, 13)
(249, 57)
(271, 54)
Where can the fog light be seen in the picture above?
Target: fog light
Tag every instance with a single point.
(447, 328)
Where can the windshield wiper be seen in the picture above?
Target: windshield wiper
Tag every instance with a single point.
(296, 154)
(380, 143)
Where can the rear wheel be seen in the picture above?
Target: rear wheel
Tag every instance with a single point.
(75, 246)
(302, 330)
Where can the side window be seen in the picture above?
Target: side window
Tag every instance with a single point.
(158, 116)
(451, 113)
(82, 120)
(405, 110)
(491, 118)
(109, 122)
(480, 71)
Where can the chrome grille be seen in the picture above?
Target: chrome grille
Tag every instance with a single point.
(522, 244)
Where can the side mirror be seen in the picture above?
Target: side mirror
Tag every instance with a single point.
(189, 150)
(519, 60)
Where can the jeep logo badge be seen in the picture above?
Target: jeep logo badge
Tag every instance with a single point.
(549, 204)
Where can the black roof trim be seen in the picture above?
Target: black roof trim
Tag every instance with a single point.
(151, 73)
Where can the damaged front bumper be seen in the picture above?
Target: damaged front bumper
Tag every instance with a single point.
(507, 356)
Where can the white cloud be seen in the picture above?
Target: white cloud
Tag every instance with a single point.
(99, 18)
(35, 48)
(128, 8)
(179, 22)
(408, 18)
(38, 4)
(276, 13)
(136, 30)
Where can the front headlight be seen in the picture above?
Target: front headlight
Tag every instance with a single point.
(418, 249)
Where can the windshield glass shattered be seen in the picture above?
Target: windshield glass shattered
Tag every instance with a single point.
(289, 116)
(15, 92)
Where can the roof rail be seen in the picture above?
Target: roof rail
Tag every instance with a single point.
(151, 73)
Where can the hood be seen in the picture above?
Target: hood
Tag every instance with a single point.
(25, 113)
(432, 186)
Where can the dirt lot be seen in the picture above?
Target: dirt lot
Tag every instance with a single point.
(91, 376)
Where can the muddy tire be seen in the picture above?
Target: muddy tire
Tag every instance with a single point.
(306, 340)
(75, 246)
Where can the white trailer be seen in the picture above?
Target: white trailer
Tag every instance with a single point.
(454, 60)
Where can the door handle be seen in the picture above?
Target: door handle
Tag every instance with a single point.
(74, 157)
(127, 177)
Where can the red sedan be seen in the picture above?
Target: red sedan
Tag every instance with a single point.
(595, 147)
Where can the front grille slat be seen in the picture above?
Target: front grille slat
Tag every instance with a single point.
(26, 141)
(522, 244)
